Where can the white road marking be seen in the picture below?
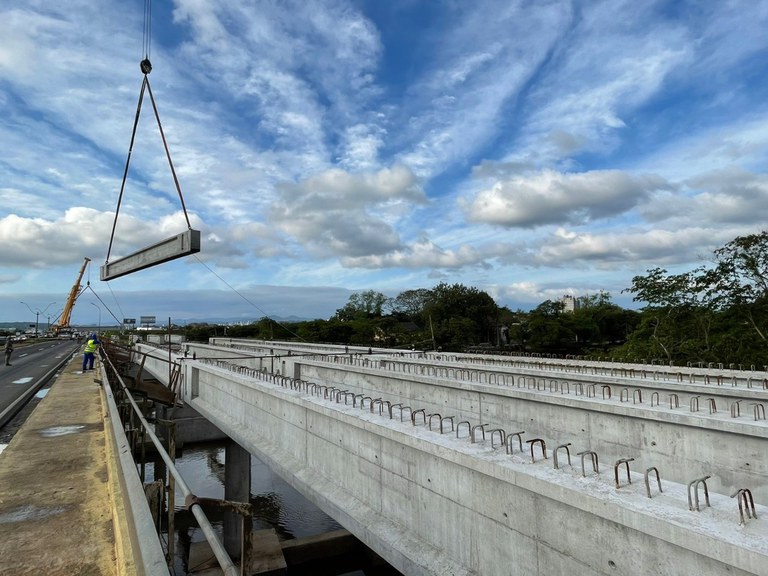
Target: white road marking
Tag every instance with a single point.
(22, 380)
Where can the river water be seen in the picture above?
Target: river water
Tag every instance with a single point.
(276, 504)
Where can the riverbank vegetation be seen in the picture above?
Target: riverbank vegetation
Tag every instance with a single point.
(713, 314)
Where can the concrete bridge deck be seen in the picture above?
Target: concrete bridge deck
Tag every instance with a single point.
(434, 501)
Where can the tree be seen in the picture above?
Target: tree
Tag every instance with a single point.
(600, 323)
(367, 304)
(411, 303)
(550, 329)
(677, 309)
(739, 280)
(451, 302)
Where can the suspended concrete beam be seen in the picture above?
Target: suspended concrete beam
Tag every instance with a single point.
(177, 246)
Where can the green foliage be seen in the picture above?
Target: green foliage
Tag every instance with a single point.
(201, 332)
(410, 305)
(717, 314)
(367, 304)
(456, 313)
(707, 315)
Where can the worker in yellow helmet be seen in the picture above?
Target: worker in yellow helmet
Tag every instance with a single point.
(88, 352)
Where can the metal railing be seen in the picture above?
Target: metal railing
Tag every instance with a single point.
(122, 392)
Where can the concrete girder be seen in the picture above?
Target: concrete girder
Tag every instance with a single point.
(174, 247)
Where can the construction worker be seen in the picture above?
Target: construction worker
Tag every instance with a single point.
(8, 350)
(89, 351)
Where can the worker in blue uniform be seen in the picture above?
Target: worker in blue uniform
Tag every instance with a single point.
(91, 346)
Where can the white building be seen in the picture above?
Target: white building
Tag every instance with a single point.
(569, 303)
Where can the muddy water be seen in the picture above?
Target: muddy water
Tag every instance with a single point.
(276, 504)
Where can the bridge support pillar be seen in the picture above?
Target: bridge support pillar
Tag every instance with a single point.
(237, 488)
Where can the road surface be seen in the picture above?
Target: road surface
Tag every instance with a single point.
(32, 365)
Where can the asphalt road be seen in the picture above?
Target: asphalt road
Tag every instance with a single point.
(32, 365)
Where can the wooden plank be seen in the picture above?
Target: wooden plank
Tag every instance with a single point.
(174, 247)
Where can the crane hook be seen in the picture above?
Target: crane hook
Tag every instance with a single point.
(146, 66)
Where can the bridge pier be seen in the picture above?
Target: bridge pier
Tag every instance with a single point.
(237, 488)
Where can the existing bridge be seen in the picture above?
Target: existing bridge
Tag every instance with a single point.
(453, 464)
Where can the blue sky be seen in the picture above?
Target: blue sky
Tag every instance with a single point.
(529, 149)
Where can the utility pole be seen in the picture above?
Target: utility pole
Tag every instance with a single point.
(37, 313)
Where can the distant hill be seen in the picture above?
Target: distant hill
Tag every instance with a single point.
(18, 326)
(221, 320)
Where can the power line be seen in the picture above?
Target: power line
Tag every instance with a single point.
(283, 326)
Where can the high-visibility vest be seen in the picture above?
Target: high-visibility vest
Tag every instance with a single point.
(90, 346)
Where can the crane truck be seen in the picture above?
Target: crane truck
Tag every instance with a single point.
(62, 326)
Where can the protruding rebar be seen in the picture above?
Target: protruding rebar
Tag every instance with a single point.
(541, 443)
(421, 411)
(510, 437)
(403, 409)
(694, 403)
(647, 484)
(501, 433)
(693, 502)
(593, 456)
(475, 428)
(554, 386)
(567, 452)
(744, 497)
(618, 463)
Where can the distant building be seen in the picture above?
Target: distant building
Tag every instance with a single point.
(569, 303)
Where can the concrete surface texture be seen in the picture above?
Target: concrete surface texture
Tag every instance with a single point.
(58, 514)
(438, 503)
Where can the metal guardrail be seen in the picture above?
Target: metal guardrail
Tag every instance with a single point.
(193, 503)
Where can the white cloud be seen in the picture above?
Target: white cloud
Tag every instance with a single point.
(549, 197)
(541, 146)
(339, 213)
(418, 255)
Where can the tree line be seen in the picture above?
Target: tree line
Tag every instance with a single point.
(713, 314)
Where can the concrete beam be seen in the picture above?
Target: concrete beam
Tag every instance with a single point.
(177, 246)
